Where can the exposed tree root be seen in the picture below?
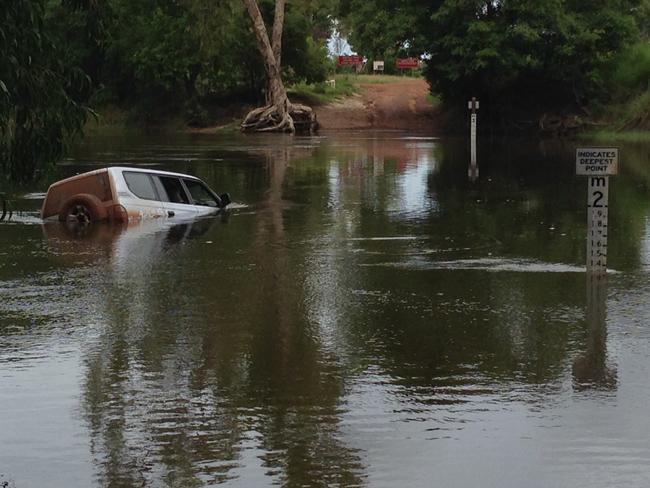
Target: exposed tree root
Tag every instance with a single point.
(273, 118)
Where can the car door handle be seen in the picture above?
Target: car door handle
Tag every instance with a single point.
(170, 213)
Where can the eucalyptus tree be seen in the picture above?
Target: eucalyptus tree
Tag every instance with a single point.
(279, 114)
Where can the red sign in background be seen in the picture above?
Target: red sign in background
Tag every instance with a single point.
(351, 59)
(403, 63)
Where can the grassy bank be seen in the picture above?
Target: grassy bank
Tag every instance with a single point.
(344, 85)
(627, 121)
(618, 136)
(324, 92)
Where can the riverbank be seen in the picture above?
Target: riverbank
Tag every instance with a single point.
(403, 103)
(351, 102)
(367, 102)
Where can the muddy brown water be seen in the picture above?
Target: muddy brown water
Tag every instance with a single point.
(365, 315)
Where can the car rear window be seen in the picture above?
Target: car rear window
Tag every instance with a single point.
(140, 185)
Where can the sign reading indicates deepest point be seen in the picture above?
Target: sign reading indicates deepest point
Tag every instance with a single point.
(595, 161)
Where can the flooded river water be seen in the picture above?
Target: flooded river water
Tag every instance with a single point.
(371, 312)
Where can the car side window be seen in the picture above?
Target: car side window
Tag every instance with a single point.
(174, 189)
(140, 185)
(200, 194)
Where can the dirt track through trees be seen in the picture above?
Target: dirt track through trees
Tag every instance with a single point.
(395, 105)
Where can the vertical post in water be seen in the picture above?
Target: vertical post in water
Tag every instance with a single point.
(597, 224)
(3, 212)
(597, 163)
(591, 370)
(473, 168)
(473, 106)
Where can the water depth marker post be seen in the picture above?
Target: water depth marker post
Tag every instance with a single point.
(473, 106)
(597, 163)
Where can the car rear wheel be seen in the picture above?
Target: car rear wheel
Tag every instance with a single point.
(80, 214)
(83, 210)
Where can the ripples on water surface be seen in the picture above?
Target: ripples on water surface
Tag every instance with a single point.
(364, 316)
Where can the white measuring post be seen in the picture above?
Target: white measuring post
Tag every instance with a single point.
(473, 106)
(597, 163)
(597, 223)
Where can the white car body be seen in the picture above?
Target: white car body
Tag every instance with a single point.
(123, 194)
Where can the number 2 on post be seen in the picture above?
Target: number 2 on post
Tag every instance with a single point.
(599, 197)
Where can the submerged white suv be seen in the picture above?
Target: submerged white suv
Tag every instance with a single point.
(120, 194)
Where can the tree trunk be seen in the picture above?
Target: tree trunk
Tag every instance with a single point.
(278, 26)
(278, 115)
(276, 42)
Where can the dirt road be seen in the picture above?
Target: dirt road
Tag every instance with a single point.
(395, 105)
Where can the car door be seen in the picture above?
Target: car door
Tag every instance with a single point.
(176, 200)
(204, 200)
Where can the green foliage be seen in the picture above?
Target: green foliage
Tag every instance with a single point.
(321, 93)
(639, 112)
(386, 29)
(345, 86)
(159, 58)
(230, 62)
(304, 50)
(165, 57)
(631, 69)
(514, 55)
(630, 114)
(615, 136)
(642, 13)
(628, 80)
(316, 63)
(526, 54)
(151, 55)
(39, 108)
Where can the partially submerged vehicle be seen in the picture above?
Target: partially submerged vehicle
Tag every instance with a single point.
(121, 194)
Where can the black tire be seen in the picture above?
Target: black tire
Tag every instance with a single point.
(80, 214)
(82, 210)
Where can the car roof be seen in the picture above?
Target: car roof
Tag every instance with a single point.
(150, 171)
(119, 169)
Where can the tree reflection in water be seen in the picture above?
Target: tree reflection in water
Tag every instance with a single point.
(591, 370)
(178, 392)
(368, 310)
